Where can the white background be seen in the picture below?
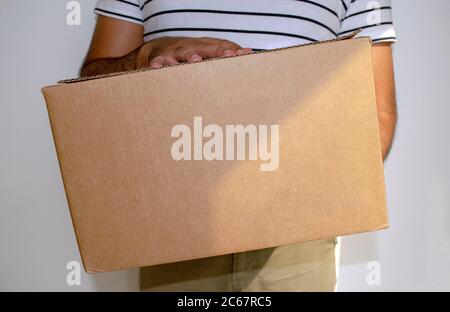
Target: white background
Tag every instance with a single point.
(36, 236)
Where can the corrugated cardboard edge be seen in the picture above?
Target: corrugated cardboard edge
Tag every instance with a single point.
(88, 270)
(386, 210)
(82, 79)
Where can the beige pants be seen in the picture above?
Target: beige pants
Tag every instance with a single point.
(299, 267)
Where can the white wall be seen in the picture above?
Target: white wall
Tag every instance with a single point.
(36, 236)
(414, 254)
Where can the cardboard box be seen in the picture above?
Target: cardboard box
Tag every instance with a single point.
(137, 200)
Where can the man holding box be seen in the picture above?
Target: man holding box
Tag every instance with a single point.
(136, 34)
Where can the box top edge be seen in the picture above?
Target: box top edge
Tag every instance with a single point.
(66, 82)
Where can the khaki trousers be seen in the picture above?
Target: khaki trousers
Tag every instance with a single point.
(306, 266)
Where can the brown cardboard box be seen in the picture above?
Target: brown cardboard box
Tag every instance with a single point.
(134, 204)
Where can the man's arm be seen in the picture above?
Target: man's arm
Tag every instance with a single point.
(113, 47)
(118, 45)
(385, 92)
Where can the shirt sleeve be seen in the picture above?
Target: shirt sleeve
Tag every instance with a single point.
(373, 18)
(128, 10)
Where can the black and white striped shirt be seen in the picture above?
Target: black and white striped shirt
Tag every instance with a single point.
(257, 24)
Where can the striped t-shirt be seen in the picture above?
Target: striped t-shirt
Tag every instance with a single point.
(256, 24)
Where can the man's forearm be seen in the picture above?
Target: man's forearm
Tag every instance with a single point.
(387, 122)
(110, 65)
(385, 93)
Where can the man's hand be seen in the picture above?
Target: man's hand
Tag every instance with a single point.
(110, 53)
(174, 50)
